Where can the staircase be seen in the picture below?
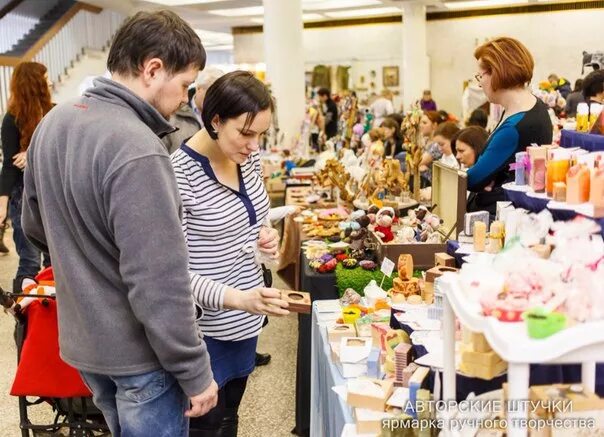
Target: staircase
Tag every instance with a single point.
(59, 40)
(43, 26)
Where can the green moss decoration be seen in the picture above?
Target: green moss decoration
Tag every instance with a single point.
(358, 278)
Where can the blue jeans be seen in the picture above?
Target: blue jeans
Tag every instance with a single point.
(150, 404)
(29, 255)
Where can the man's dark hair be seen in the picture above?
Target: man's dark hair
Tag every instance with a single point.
(593, 84)
(324, 92)
(478, 117)
(162, 35)
(234, 94)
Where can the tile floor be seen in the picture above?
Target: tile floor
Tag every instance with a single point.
(268, 405)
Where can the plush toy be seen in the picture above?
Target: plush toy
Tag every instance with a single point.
(383, 220)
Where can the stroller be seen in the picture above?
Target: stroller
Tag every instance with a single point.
(42, 377)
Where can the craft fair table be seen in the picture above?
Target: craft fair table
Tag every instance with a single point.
(328, 412)
(582, 343)
(294, 235)
(590, 142)
(321, 286)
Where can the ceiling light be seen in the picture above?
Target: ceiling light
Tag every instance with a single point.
(183, 2)
(305, 17)
(238, 12)
(337, 4)
(482, 3)
(363, 12)
(214, 38)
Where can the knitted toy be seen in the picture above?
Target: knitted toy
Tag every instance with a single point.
(383, 221)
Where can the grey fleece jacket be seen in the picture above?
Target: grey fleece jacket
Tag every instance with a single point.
(101, 194)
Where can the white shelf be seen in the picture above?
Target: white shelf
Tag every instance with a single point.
(582, 343)
(511, 340)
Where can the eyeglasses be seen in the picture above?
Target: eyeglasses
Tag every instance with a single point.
(478, 76)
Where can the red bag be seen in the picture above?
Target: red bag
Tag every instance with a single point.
(41, 371)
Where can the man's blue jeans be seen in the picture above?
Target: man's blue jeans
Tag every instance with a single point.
(150, 404)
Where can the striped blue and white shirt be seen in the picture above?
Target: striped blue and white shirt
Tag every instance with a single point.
(221, 229)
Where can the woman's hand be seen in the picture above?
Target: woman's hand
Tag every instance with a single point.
(268, 241)
(264, 301)
(20, 160)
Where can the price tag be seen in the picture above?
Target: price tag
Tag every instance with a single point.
(387, 267)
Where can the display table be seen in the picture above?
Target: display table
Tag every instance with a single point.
(291, 241)
(328, 412)
(522, 197)
(590, 142)
(583, 343)
(321, 286)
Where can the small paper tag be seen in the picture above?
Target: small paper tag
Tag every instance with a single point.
(387, 267)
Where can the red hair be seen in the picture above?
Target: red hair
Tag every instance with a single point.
(29, 99)
(508, 61)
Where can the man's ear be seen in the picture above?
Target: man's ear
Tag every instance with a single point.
(151, 69)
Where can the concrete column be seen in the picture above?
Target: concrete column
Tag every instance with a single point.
(416, 70)
(284, 57)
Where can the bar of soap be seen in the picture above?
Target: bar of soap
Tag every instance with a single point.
(577, 184)
(496, 237)
(480, 236)
(559, 192)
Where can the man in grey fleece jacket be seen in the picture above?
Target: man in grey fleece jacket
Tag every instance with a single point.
(101, 195)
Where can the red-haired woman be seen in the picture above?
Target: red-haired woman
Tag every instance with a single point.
(29, 101)
(505, 67)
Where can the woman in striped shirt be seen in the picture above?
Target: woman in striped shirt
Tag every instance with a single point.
(224, 205)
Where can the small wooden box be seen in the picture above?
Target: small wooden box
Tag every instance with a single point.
(362, 400)
(299, 301)
(444, 259)
(336, 332)
(438, 271)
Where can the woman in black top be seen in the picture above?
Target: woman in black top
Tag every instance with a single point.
(29, 101)
(393, 141)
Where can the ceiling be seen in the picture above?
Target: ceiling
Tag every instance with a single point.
(213, 19)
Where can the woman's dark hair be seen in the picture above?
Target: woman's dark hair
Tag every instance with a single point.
(392, 124)
(578, 85)
(234, 94)
(324, 92)
(475, 137)
(444, 115)
(593, 84)
(478, 117)
(396, 116)
(448, 130)
(162, 35)
(434, 117)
